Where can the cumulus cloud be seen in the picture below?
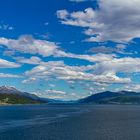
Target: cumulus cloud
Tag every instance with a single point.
(124, 65)
(32, 60)
(132, 87)
(8, 64)
(27, 44)
(101, 74)
(92, 58)
(114, 20)
(59, 70)
(9, 53)
(103, 49)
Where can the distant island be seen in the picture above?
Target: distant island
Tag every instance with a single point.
(10, 95)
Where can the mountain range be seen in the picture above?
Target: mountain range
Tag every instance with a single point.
(10, 95)
(108, 97)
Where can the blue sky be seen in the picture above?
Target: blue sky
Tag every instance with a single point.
(70, 49)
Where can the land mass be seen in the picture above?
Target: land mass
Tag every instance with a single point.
(108, 97)
(17, 99)
(10, 95)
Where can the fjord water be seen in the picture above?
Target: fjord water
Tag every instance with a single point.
(70, 122)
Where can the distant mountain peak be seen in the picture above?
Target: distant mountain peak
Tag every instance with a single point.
(13, 91)
(8, 87)
(9, 90)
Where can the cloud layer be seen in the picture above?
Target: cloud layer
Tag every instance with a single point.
(60, 71)
(27, 44)
(8, 64)
(114, 20)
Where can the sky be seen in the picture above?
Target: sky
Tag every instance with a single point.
(70, 49)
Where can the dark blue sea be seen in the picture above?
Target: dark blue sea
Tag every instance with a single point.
(70, 122)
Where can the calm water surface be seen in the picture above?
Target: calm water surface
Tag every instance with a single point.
(70, 122)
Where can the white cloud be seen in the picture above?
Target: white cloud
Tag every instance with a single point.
(92, 58)
(114, 20)
(6, 75)
(103, 49)
(55, 92)
(124, 65)
(9, 53)
(62, 14)
(27, 44)
(32, 60)
(101, 74)
(58, 70)
(132, 87)
(52, 94)
(58, 94)
(8, 64)
(29, 80)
